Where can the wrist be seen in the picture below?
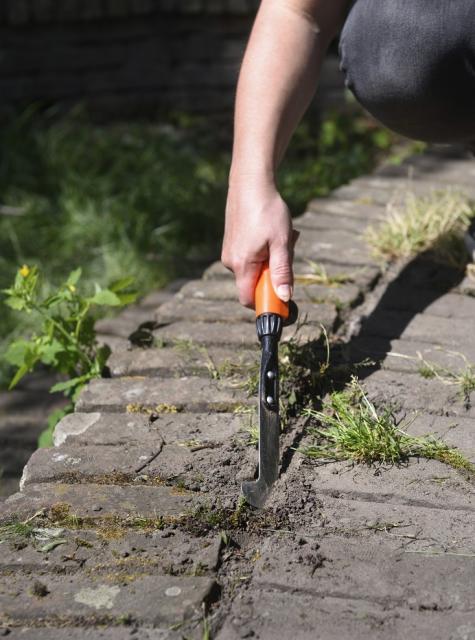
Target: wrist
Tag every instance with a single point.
(247, 174)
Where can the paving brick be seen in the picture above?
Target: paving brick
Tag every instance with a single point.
(321, 220)
(344, 294)
(401, 297)
(413, 392)
(157, 600)
(99, 501)
(398, 187)
(86, 633)
(411, 484)
(107, 429)
(335, 265)
(125, 323)
(179, 360)
(340, 208)
(457, 174)
(370, 572)
(335, 246)
(403, 355)
(265, 613)
(93, 550)
(241, 336)
(232, 312)
(449, 332)
(456, 432)
(139, 394)
(397, 525)
(102, 464)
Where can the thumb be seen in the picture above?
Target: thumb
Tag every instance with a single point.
(280, 265)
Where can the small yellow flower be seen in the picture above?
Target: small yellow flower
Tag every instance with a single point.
(72, 288)
(25, 270)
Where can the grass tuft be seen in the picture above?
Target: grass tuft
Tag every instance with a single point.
(435, 222)
(353, 429)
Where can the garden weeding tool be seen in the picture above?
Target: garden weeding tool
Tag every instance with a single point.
(271, 315)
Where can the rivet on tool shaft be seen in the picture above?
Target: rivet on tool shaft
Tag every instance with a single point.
(270, 375)
(270, 400)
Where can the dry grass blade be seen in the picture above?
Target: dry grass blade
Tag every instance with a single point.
(464, 377)
(321, 276)
(434, 222)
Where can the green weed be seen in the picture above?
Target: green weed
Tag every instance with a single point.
(353, 429)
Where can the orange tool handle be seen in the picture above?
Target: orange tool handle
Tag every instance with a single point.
(266, 299)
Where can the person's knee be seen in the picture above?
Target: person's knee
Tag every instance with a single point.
(404, 75)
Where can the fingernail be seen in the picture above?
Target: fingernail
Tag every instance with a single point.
(283, 291)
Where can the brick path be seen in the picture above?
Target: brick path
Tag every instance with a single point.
(141, 489)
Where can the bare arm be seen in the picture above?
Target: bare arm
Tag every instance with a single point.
(278, 78)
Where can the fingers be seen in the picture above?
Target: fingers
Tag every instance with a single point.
(280, 263)
(246, 275)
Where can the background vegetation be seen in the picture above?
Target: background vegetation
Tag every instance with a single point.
(139, 199)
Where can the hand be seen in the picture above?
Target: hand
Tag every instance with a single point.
(258, 230)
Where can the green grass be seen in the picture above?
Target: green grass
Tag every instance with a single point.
(353, 429)
(140, 199)
(435, 222)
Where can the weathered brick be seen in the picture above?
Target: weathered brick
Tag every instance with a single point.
(335, 246)
(448, 332)
(401, 297)
(374, 573)
(181, 308)
(126, 323)
(403, 355)
(264, 612)
(99, 501)
(242, 336)
(106, 429)
(148, 552)
(339, 208)
(321, 221)
(86, 633)
(456, 432)
(412, 392)
(410, 484)
(140, 394)
(102, 464)
(344, 294)
(154, 600)
(179, 360)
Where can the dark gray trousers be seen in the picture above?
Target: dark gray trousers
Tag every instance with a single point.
(411, 64)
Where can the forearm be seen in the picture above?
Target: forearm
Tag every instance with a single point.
(278, 78)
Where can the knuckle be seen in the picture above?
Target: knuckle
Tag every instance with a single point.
(281, 267)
